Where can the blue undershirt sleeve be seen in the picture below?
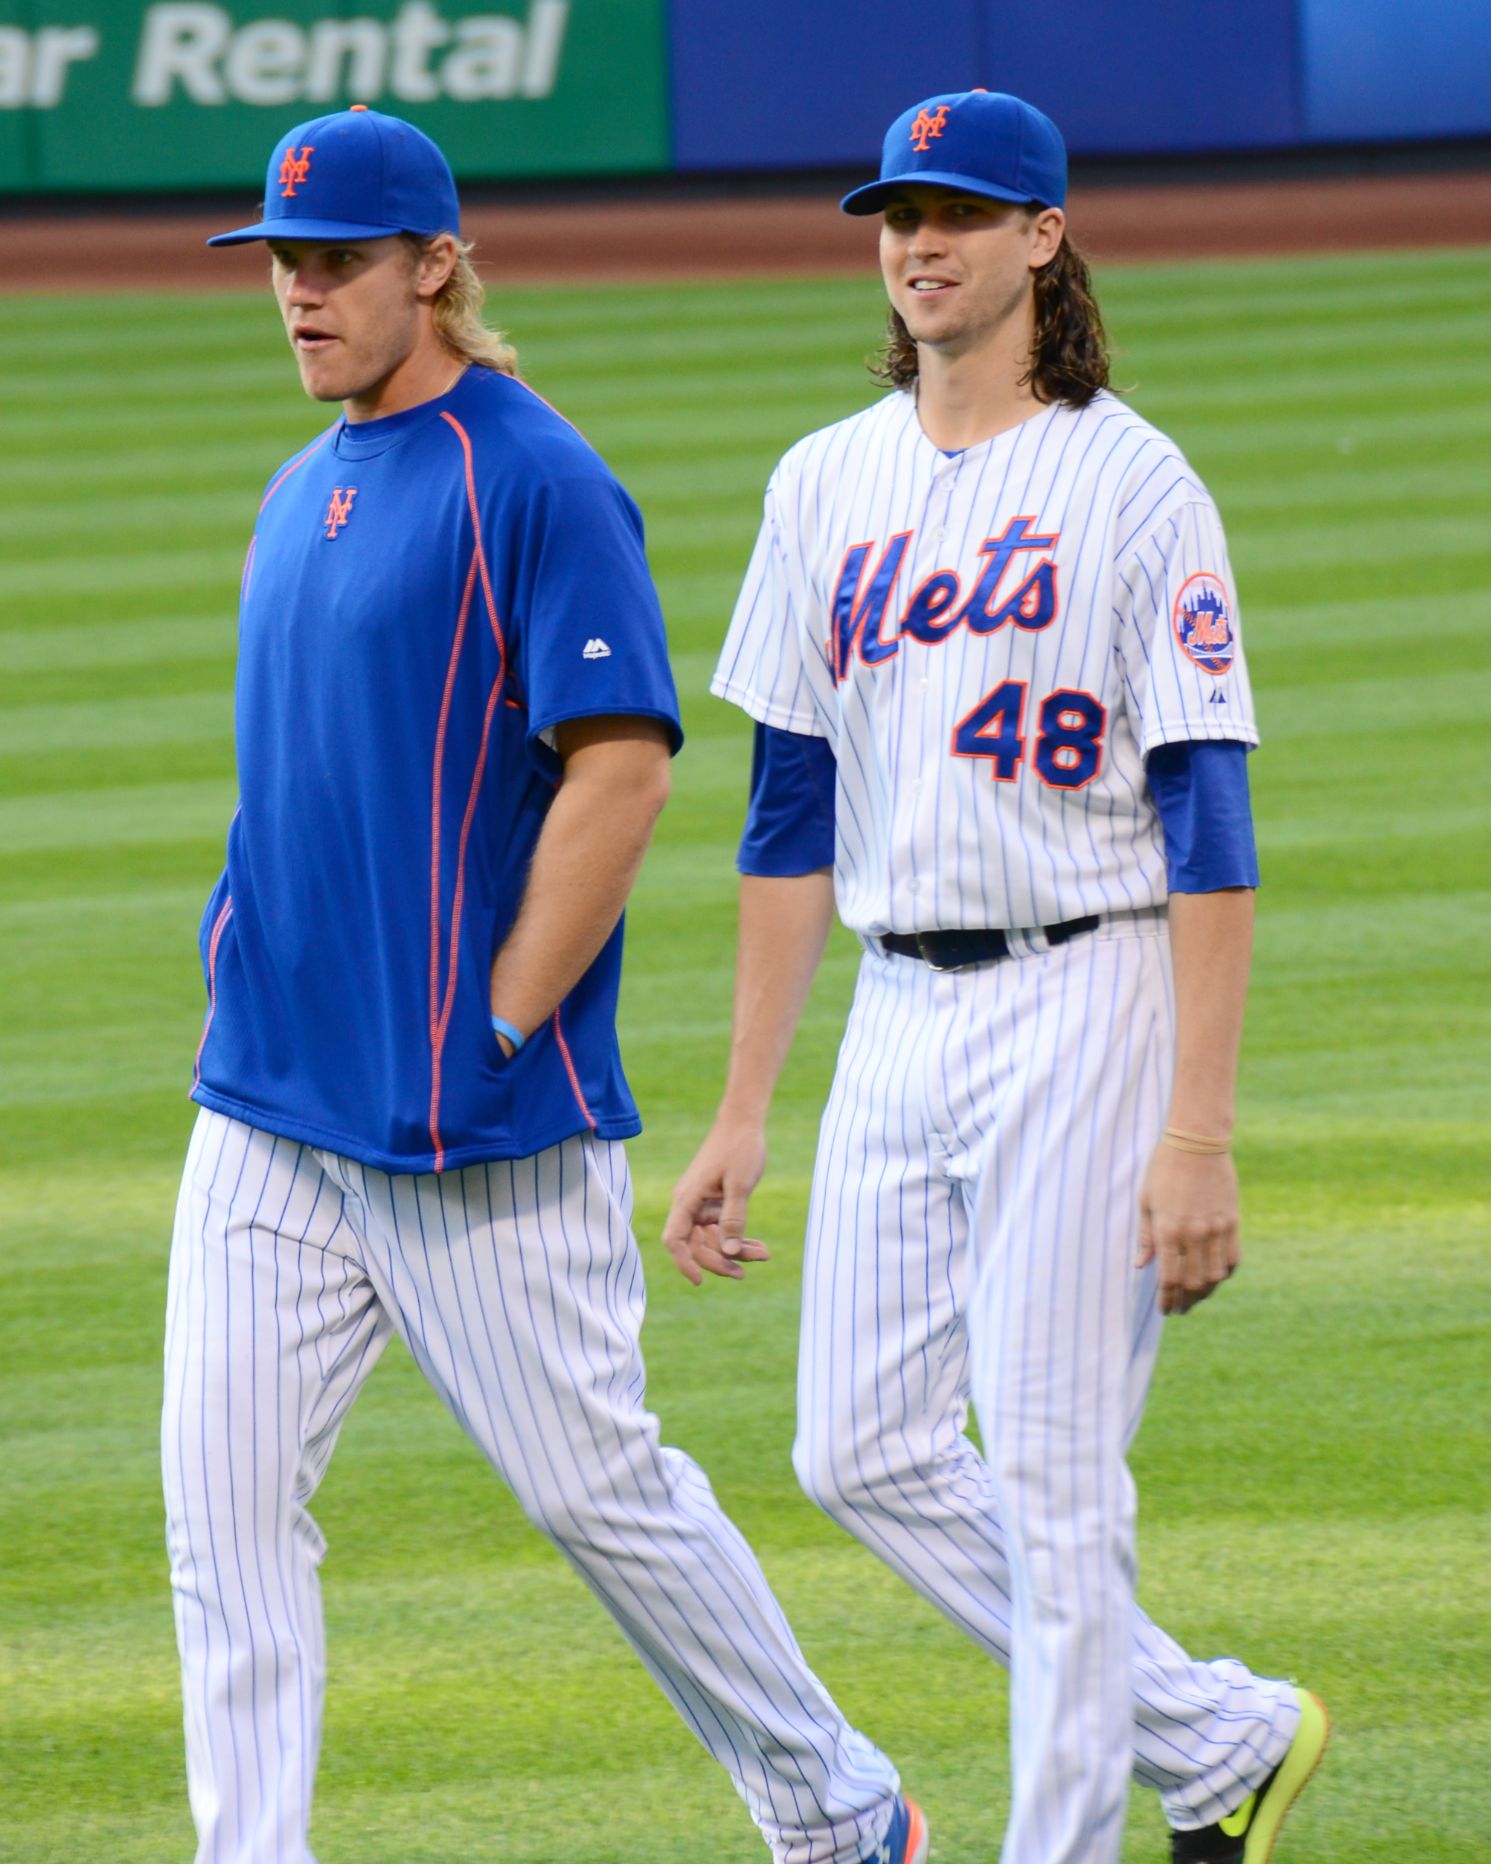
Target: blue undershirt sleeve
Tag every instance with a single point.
(1201, 791)
(790, 821)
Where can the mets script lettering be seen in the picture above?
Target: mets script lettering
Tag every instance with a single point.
(933, 611)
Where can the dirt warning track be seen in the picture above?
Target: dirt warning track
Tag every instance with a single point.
(531, 241)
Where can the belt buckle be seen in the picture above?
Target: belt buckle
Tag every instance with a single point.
(929, 961)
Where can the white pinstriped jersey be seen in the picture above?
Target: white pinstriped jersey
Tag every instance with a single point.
(992, 642)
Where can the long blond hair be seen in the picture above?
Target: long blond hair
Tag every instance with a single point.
(457, 309)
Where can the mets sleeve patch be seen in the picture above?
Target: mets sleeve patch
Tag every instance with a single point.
(1203, 623)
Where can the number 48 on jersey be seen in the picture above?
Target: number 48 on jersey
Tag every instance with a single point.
(1068, 749)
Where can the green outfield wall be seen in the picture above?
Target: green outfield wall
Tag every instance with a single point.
(174, 95)
(182, 94)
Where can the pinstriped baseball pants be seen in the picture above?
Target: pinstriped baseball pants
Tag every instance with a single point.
(517, 1286)
(972, 1236)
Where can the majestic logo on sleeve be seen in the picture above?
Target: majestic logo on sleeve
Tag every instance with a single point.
(859, 607)
(339, 509)
(1203, 623)
(294, 169)
(926, 126)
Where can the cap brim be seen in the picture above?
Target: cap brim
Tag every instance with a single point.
(289, 229)
(873, 196)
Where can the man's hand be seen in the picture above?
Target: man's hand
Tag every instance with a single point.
(784, 923)
(706, 1221)
(1188, 1220)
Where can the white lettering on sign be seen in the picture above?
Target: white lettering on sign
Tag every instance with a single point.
(266, 63)
(191, 48)
(181, 45)
(487, 61)
(348, 58)
(34, 66)
(417, 31)
(546, 25)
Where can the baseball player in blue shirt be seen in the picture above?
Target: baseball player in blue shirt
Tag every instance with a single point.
(989, 638)
(454, 723)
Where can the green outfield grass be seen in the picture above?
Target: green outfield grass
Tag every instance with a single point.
(1314, 1470)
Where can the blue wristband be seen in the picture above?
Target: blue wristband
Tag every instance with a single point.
(505, 1028)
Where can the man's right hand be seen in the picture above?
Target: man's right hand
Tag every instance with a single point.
(706, 1221)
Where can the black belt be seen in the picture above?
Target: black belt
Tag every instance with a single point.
(953, 951)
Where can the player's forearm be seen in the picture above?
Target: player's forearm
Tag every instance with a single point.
(784, 926)
(1211, 943)
(593, 840)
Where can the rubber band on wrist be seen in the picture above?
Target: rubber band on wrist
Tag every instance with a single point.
(505, 1028)
(1198, 1143)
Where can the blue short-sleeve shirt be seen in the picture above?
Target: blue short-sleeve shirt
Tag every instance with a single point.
(425, 597)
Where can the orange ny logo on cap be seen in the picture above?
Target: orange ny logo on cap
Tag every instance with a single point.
(339, 510)
(922, 130)
(294, 168)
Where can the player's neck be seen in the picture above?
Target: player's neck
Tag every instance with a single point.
(426, 373)
(964, 399)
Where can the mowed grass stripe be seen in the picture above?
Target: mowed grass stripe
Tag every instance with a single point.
(108, 818)
(119, 682)
(114, 432)
(1378, 700)
(1339, 286)
(151, 564)
(95, 645)
(127, 522)
(99, 724)
(1285, 427)
(50, 479)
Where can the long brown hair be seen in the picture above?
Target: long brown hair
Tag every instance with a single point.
(1069, 348)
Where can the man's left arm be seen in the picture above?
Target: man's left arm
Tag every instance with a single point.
(1186, 684)
(589, 654)
(613, 784)
(1188, 1207)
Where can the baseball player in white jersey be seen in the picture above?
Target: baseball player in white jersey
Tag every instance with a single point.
(989, 638)
(455, 717)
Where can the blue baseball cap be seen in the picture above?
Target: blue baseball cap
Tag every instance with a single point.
(355, 175)
(979, 142)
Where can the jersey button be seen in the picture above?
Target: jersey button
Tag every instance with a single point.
(913, 886)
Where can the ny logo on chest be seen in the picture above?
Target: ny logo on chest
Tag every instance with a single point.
(1008, 589)
(339, 508)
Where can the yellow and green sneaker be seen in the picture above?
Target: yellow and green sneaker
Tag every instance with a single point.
(1247, 1835)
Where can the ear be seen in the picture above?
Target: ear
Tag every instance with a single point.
(1046, 231)
(436, 263)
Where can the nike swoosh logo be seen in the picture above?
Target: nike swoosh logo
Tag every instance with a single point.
(1236, 1823)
